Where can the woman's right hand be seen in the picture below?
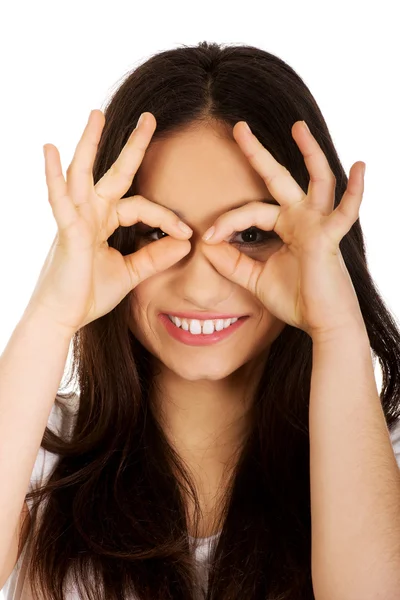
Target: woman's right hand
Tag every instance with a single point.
(83, 278)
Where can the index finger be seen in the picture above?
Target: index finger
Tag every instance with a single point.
(283, 187)
(80, 171)
(118, 179)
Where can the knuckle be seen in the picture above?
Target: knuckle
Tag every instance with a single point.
(139, 202)
(116, 171)
(113, 170)
(75, 168)
(270, 177)
(138, 198)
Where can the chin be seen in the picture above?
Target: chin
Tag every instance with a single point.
(197, 372)
(201, 367)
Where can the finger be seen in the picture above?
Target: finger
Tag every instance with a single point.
(235, 266)
(80, 171)
(63, 208)
(277, 178)
(135, 209)
(347, 212)
(321, 187)
(154, 258)
(118, 179)
(256, 214)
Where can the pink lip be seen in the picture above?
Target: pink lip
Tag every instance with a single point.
(202, 316)
(202, 339)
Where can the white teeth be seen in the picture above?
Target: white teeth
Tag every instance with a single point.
(195, 326)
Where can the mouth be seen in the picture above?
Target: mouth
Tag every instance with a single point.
(190, 332)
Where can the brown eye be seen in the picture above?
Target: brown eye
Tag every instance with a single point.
(255, 237)
(148, 235)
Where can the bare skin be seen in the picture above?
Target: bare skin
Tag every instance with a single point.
(204, 392)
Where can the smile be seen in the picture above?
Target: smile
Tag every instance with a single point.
(196, 326)
(198, 333)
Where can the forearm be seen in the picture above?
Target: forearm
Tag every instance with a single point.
(355, 480)
(31, 368)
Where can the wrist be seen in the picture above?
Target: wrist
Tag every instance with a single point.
(352, 329)
(38, 318)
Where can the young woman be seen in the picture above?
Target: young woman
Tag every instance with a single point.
(226, 438)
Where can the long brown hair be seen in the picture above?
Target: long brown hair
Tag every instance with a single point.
(114, 519)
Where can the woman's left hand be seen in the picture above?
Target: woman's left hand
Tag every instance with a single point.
(304, 283)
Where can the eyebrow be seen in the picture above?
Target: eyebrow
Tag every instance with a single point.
(263, 200)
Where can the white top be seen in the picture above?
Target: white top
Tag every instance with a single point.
(17, 587)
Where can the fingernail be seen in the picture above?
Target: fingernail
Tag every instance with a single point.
(246, 125)
(140, 120)
(183, 227)
(209, 233)
(307, 127)
(364, 167)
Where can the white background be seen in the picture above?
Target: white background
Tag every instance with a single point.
(59, 60)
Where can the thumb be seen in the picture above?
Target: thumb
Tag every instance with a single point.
(234, 265)
(154, 258)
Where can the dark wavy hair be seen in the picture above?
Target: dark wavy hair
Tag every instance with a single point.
(113, 510)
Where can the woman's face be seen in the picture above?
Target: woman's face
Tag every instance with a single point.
(201, 174)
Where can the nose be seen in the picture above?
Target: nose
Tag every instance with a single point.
(197, 281)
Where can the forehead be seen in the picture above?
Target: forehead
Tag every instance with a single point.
(199, 173)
